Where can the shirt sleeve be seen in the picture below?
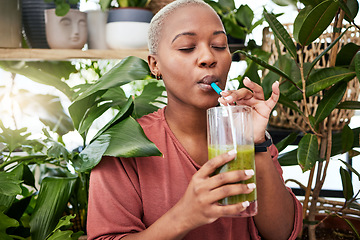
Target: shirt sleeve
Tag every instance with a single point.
(297, 205)
(114, 200)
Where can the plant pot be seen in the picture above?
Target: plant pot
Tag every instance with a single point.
(127, 28)
(67, 32)
(10, 24)
(34, 22)
(334, 228)
(96, 31)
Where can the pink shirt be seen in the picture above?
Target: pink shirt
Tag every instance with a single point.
(128, 195)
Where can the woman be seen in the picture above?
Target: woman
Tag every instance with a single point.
(174, 196)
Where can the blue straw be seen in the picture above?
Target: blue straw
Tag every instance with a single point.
(216, 88)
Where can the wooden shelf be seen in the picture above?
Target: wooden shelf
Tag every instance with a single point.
(68, 54)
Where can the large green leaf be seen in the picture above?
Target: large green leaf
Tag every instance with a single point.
(329, 102)
(308, 153)
(348, 190)
(5, 223)
(125, 139)
(13, 138)
(281, 33)
(129, 69)
(337, 147)
(323, 79)
(48, 73)
(144, 104)
(51, 202)
(317, 21)
(129, 143)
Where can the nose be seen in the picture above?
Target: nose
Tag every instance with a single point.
(206, 58)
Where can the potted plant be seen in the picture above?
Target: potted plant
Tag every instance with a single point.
(37, 213)
(300, 80)
(127, 24)
(238, 22)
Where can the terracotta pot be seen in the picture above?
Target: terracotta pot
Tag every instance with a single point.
(67, 32)
(10, 24)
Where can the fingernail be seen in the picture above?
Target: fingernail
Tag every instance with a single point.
(245, 204)
(232, 152)
(251, 186)
(249, 172)
(229, 98)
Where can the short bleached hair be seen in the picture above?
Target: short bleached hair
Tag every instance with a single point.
(157, 22)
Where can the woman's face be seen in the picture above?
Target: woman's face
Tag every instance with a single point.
(193, 53)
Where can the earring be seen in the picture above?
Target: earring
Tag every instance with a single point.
(158, 76)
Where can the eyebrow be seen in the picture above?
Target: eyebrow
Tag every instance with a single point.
(194, 34)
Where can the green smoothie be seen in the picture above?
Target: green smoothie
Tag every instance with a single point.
(244, 160)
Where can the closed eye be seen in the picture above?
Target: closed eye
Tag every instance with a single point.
(187, 49)
(219, 47)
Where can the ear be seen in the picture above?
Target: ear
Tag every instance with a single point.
(153, 65)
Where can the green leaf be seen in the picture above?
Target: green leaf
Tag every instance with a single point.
(5, 223)
(281, 33)
(9, 184)
(323, 79)
(64, 223)
(288, 158)
(308, 152)
(299, 20)
(351, 9)
(313, 63)
(129, 69)
(347, 185)
(329, 102)
(351, 169)
(144, 104)
(18, 208)
(349, 105)
(347, 54)
(123, 114)
(53, 197)
(286, 141)
(62, 9)
(244, 15)
(347, 138)
(48, 73)
(317, 21)
(288, 103)
(124, 139)
(266, 65)
(227, 5)
(357, 65)
(13, 139)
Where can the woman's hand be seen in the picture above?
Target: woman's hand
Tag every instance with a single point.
(199, 205)
(255, 99)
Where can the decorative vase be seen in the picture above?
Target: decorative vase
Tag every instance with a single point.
(66, 32)
(127, 28)
(34, 22)
(10, 24)
(96, 33)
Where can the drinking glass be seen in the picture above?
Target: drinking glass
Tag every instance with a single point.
(228, 128)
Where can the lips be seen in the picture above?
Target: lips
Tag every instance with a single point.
(205, 82)
(209, 79)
